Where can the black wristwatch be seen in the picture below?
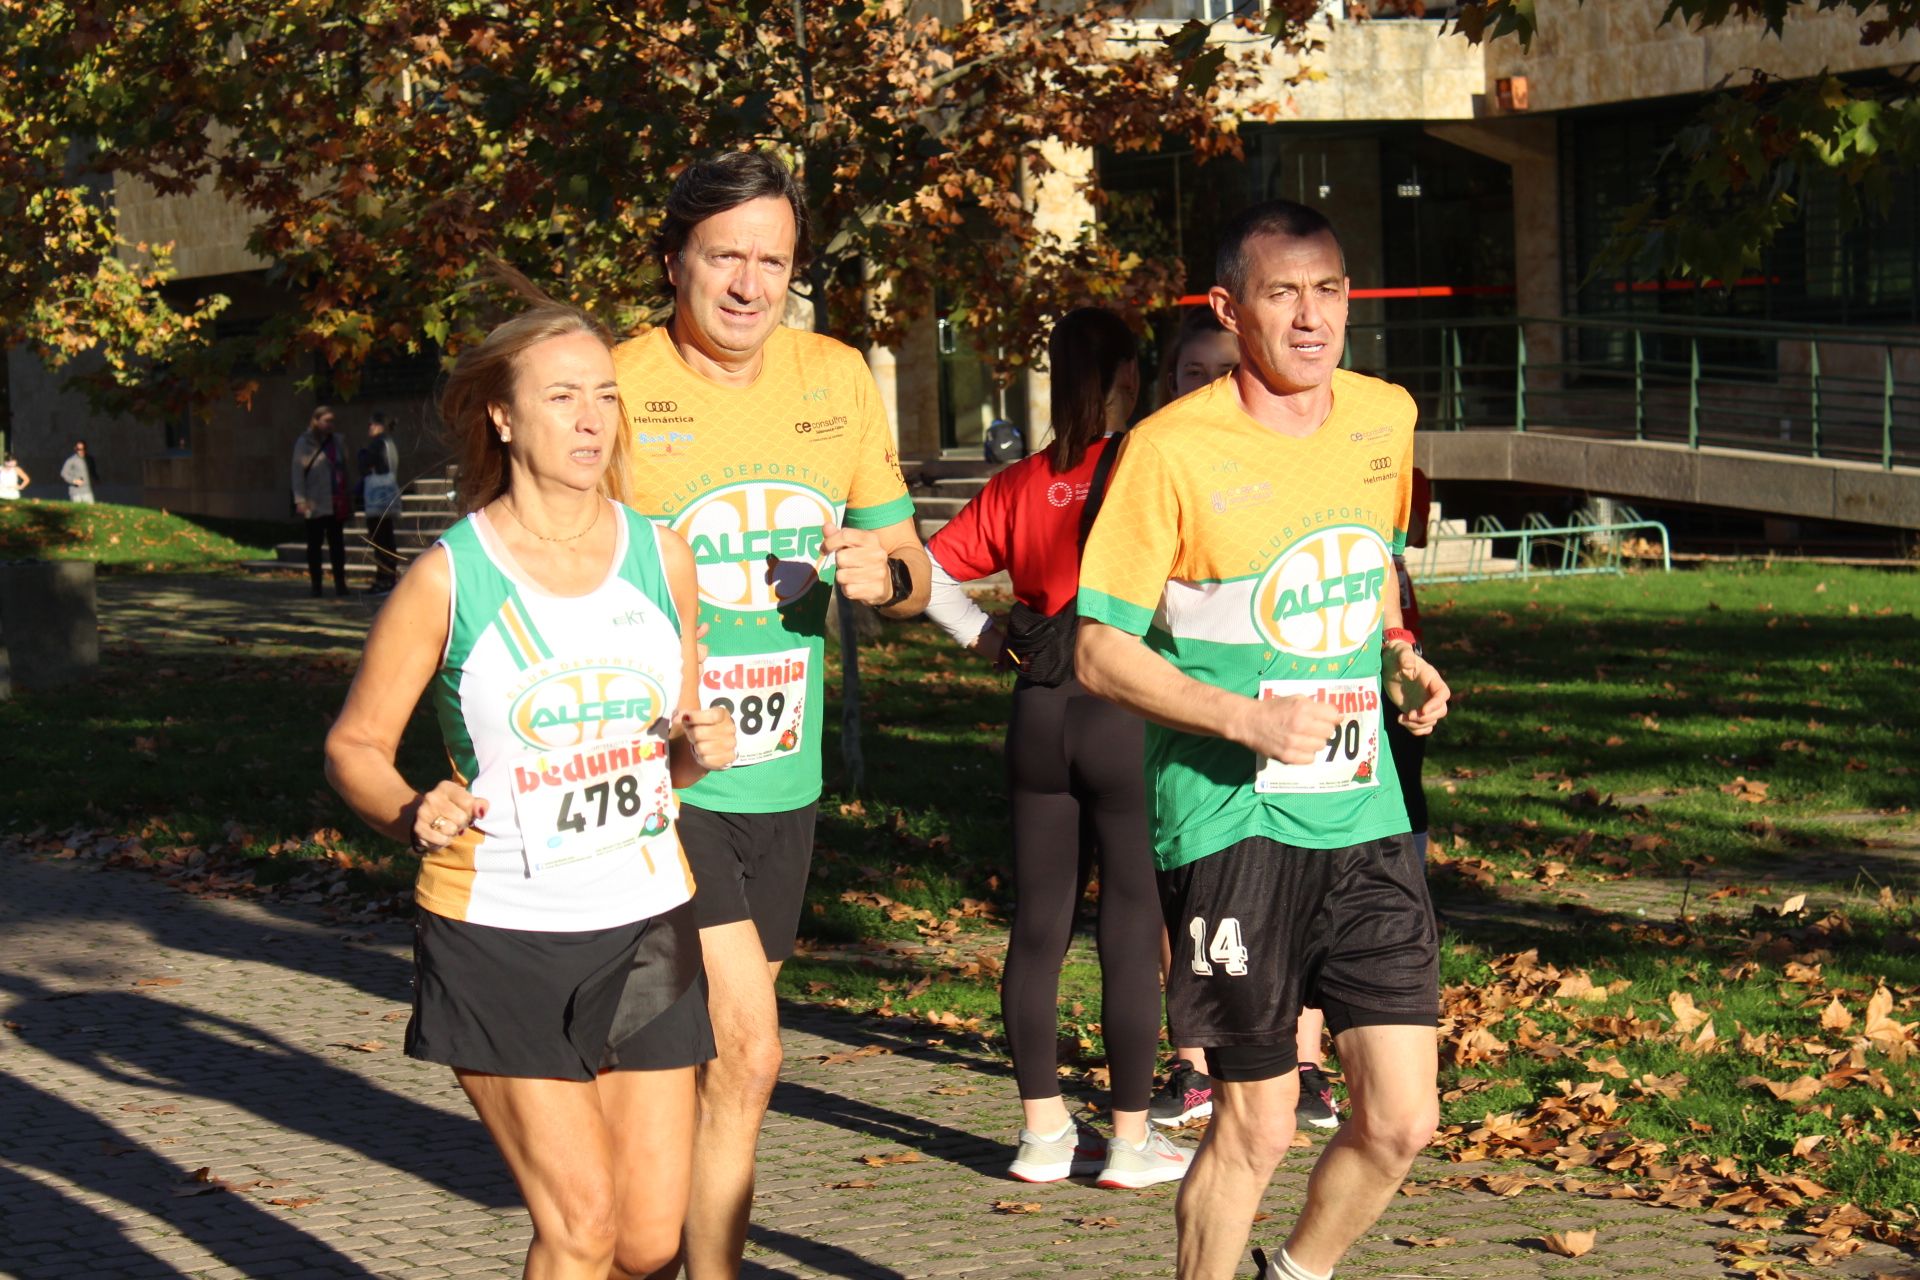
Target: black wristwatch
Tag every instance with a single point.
(902, 582)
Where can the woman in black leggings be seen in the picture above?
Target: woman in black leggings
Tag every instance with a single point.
(1074, 767)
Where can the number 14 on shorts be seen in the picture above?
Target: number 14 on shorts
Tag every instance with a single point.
(1227, 948)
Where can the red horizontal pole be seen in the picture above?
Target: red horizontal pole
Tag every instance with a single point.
(1402, 291)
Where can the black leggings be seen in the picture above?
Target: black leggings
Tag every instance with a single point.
(1076, 775)
(335, 533)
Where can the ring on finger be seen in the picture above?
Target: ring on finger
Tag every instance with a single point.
(441, 824)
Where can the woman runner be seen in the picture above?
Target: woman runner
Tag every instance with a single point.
(556, 958)
(1074, 766)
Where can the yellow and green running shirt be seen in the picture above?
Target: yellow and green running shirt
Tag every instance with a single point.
(1257, 562)
(750, 476)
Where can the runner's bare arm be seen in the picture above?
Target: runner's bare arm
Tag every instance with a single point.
(860, 563)
(403, 652)
(1409, 679)
(1119, 667)
(702, 737)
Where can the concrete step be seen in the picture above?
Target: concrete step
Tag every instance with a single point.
(938, 508)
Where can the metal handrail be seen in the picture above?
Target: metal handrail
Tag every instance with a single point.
(1697, 397)
(1535, 529)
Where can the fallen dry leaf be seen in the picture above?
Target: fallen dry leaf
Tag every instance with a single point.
(1015, 1206)
(1426, 1242)
(1091, 1221)
(158, 982)
(1569, 1244)
(891, 1157)
(364, 1046)
(294, 1202)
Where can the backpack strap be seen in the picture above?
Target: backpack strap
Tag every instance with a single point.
(1097, 490)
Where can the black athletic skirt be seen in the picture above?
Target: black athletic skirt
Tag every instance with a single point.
(565, 1006)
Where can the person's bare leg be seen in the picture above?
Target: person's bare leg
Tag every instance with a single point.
(1307, 1036)
(733, 1089)
(651, 1117)
(1196, 1056)
(1393, 1109)
(555, 1141)
(1251, 1129)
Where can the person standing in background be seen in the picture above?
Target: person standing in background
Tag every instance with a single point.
(80, 473)
(380, 498)
(13, 478)
(1076, 777)
(320, 496)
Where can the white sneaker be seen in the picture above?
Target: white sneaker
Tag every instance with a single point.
(1073, 1152)
(1154, 1161)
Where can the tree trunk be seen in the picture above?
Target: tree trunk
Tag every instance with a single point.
(817, 183)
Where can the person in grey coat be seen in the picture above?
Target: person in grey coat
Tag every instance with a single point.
(320, 496)
(79, 473)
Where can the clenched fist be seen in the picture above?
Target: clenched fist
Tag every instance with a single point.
(860, 564)
(443, 813)
(1290, 730)
(710, 736)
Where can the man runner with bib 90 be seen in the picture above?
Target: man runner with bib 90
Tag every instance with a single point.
(1238, 593)
(767, 449)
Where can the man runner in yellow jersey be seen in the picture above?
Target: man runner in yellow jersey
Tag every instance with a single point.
(1238, 592)
(768, 450)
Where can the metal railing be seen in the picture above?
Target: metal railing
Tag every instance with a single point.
(1819, 393)
(1570, 550)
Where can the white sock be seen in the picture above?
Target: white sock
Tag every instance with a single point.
(1288, 1269)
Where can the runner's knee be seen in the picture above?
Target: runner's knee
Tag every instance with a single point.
(748, 1063)
(580, 1223)
(1398, 1136)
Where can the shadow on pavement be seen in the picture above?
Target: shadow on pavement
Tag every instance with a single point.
(147, 1044)
(829, 1258)
(929, 1137)
(47, 1234)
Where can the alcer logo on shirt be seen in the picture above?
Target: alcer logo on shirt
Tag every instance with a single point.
(587, 704)
(1321, 597)
(734, 530)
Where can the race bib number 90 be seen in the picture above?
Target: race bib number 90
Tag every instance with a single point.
(1350, 757)
(766, 694)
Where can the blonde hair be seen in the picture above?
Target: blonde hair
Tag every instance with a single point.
(484, 376)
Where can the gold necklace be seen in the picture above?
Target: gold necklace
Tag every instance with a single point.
(571, 537)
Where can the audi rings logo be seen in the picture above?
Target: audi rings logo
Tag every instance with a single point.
(1379, 464)
(663, 406)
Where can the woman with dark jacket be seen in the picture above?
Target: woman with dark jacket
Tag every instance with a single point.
(320, 496)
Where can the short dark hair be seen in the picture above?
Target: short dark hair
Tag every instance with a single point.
(727, 181)
(1287, 218)
(379, 417)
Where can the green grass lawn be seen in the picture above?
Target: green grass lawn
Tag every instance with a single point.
(1608, 736)
(131, 538)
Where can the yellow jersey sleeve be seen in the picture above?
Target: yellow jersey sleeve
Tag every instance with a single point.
(876, 491)
(1135, 542)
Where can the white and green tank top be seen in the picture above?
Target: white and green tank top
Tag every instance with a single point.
(555, 711)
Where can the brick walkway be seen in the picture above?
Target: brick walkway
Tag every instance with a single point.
(210, 1088)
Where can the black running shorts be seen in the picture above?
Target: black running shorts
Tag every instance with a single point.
(1261, 928)
(554, 1005)
(750, 866)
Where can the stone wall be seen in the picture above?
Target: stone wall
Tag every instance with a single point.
(1619, 51)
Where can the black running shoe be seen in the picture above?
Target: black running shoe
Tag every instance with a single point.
(1316, 1106)
(1184, 1095)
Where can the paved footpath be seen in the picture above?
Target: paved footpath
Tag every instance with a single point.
(210, 1089)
